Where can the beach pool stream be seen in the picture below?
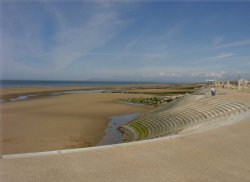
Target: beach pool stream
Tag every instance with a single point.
(29, 96)
(112, 134)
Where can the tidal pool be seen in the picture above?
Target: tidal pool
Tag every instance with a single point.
(112, 134)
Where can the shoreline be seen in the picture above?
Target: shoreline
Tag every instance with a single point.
(11, 92)
(192, 130)
(26, 96)
(66, 121)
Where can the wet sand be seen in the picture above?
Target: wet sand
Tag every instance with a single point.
(8, 93)
(60, 122)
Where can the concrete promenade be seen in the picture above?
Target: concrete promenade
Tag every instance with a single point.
(220, 154)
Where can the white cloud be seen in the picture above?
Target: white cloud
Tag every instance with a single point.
(173, 30)
(222, 56)
(214, 75)
(75, 43)
(234, 44)
(217, 40)
(124, 54)
(69, 42)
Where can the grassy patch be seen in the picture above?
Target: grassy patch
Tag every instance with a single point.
(142, 131)
(151, 101)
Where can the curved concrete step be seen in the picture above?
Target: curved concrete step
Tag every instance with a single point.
(167, 122)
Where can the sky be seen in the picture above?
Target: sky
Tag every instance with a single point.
(159, 41)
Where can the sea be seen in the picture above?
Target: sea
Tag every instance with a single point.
(45, 83)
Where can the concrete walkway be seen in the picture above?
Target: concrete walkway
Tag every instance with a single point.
(221, 154)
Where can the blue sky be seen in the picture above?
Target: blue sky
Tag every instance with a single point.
(125, 40)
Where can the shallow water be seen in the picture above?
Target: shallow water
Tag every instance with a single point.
(23, 97)
(112, 135)
(46, 83)
(26, 97)
(78, 92)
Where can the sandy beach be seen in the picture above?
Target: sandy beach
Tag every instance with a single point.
(12, 92)
(218, 154)
(59, 122)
